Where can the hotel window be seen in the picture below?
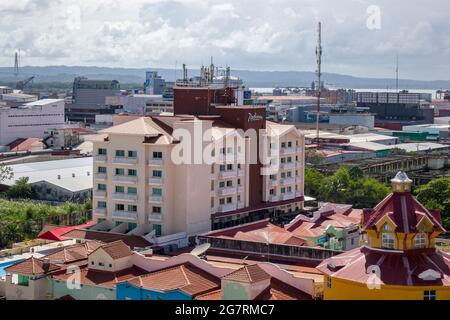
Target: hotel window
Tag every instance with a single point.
(222, 168)
(120, 172)
(239, 166)
(221, 201)
(328, 282)
(387, 240)
(229, 200)
(222, 150)
(429, 295)
(157, 192)
(283, 144)
(221, 184)
(229, 167)
(101, 187)
(132, 190)
(101, 170)
(102, 152)
(229, 150)
(229, 184)
(120, 153)
(289, 159)
(158, 229)
(120, 207)
(101, 205)
(157, 155)
(273, 177)
(120, 189)
(156, 209)
(157, 174)
(132, 208)
(132, 154)
(283, 190)
(212, 202)
(290, 144)
(420, 240)
(272, 192)
(132, 172)
(239, 198)
(289, 174)
(289, 189)
(239, 182)
(212, 185)
(283, 175)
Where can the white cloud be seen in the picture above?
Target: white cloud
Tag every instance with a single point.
(246, 34)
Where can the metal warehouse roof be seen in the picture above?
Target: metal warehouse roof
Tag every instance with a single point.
(72, 174)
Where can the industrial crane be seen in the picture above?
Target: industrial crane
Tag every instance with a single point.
(20, 85)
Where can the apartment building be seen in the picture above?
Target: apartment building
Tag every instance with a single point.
(30, 120)
(140, 186)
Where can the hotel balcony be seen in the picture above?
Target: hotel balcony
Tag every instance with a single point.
(299, 150)
(125, 215)
(227, 208)
(298, 165)
(231, 158)
(100, 176)
(227, 174)
(240, 205)
(155, 181)
(125, 197)
(100, 194)
(274, 198)
(287, 151)
(241, 189)
(123, 160)
(155, 217)
(155, 162)
(125, 179)
(100, 212)
(287, 166)
(101, 158)
(287, 181)
(155, 199)
(287, 196)
(241, 173)
(227, 191)
(274, 183)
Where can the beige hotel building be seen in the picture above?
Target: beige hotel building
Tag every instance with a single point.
(141, 188)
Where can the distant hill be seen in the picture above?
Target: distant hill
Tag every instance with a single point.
(261, 79)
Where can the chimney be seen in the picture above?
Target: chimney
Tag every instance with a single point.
(59, 177)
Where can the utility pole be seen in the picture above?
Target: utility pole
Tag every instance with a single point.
(16, 63)
(319, 77)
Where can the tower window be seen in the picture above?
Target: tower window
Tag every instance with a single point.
(420, 240)
(429, 295)
(387, 241)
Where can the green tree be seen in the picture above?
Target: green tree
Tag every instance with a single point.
(313, 181)
(436, 195)
(313, 157)
(21, 189)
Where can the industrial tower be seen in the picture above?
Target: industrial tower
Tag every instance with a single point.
(319, 76)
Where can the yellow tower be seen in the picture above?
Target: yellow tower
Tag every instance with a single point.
(400, 261)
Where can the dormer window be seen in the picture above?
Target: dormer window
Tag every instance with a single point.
(420, 240)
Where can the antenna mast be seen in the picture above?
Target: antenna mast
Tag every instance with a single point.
(396, 74)
(16, 63)
(319, 76)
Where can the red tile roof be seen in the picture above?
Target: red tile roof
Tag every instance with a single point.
(396, 267)
(187, 278)
(23, 144)
(248, 274)
(54, 233)
(76, 252)
(32, 267)
(404, 210)
(130, 240)
(116, 250)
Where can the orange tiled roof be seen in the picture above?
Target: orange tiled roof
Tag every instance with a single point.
(32, 267)
(132, 241)
(116, 250)
(74, 252)
(186, 277)
(248, 274)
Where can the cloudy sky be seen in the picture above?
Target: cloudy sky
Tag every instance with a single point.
(360, 37)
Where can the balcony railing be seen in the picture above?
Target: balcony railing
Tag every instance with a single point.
(287, 151)
(287, 166)
(123, 160)
(274, 198)
(100, 212)
(274, 183)
(100, 194)
(155, 217)
(155, 199)
(298, 164)
(155, 162)
(227, 208)
(287, 181)
(240, 189)
(287, 196)
(227, 174)
(241, 173)
(227, 191)
(155, 181)
(125, 196)
(100, 176)
(127, 179)
(240, 205)
(101, 158)
(125, 215)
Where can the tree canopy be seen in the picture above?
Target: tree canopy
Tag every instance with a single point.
(436, 195)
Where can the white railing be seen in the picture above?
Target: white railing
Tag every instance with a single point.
(227, 191)
(286, 151)
(240, 205)
(100, 194)
(288, 196)
(101, 212)
(227, 174)
(155, 162)
(227, 208)
(129, 179)
(155, 199)
(125, 196)
(155, 180)
(274, 183)
(125, 215)
(287, 166)
(273, 198)
(123, 160)
(100, 176)
(101, 158)
(155, 216)
(287, 181)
